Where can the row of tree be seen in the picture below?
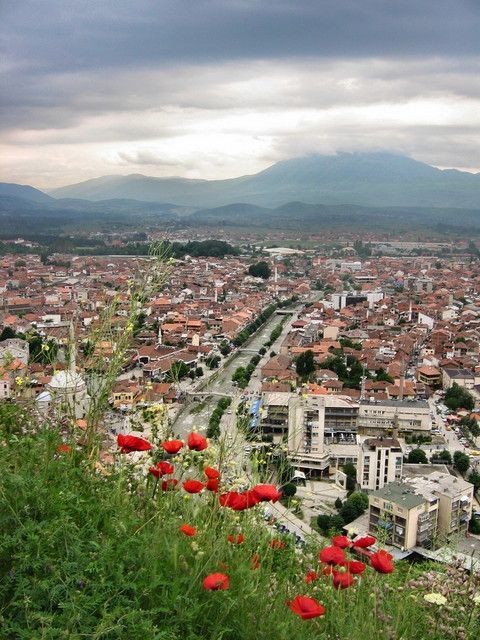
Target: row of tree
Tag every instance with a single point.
(213, 430)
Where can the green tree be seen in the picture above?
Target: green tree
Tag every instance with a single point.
(359, 501)
(305, 364)
(461, 462)
(417, 456)
(7, 334)
(289, 490)
(260, 270)
(474, 526)
(212, 361)
(323, 523)
(354, 506)
(177, 371)
(336, 524)
(350, 471)
(445, 456)
(383, 376)
(225, 348)
(474, 478)
(458, 397)
(470, 425)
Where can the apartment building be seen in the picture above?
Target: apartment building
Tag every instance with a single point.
(377, 417)
(401, 517)
(380, 462)
(455, 497)
(425, 511)
(274, 413)
(306, 423)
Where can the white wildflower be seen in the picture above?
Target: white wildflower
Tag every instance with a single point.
(435, 598)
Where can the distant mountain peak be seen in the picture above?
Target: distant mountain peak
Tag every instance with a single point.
(375, 178)
(23, 191)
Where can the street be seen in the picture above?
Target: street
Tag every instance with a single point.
(221, 382)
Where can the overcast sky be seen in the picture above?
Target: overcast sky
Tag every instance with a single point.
(220, 88)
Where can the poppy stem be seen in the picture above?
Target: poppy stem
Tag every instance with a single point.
(155, 488)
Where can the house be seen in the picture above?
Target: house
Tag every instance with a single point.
(15, 348)
(429, 375)
(280, 368)
(463, 377)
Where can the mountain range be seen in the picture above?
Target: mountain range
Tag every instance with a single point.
(374, 179)
(349, 188)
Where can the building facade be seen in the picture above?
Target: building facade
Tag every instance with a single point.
(377, 417)
(425, 511)
(380, 462)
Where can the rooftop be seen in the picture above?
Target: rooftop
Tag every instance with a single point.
(400, 494)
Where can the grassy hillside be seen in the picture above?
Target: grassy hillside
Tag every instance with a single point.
(95, 552)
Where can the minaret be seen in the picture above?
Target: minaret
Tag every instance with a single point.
(401, 386)
(160, 335)
(216, 295)
(410, 312)
(362, 387)
(395, 426)
(72, 351)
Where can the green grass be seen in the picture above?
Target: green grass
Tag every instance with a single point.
(85, 555)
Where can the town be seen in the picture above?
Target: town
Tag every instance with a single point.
(352, 375)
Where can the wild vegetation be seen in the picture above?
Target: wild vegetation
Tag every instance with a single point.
(90, 550)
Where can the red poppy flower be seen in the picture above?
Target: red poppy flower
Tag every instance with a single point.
(216, 582)
(227, 499)
(188, 530)
(211, 473)
(238, 501)
(64, 448)
(193, 486)
(355, 567)
(255, 561)
(172, 446)
(311, 576)
(342, 580)
(364, 541)
(342, 542)
(212, 484)
(128, 444)
(162, 469)
(306, 607)
(196, 442)
(277, 544)
(332, 555)
(165, 467)
(266, 492)
(171, 483)
(237, 539)
(155, 472)
(381, 561)
(251, 498)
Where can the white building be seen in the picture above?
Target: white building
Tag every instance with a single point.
(66, 393)
(317, 421)
(376, 417)
(16, 349)
(380, 461)
(305, 434)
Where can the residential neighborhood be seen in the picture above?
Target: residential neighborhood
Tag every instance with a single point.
(372, 364)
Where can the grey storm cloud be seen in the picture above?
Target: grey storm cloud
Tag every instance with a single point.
(138, 75)
(47, 35)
